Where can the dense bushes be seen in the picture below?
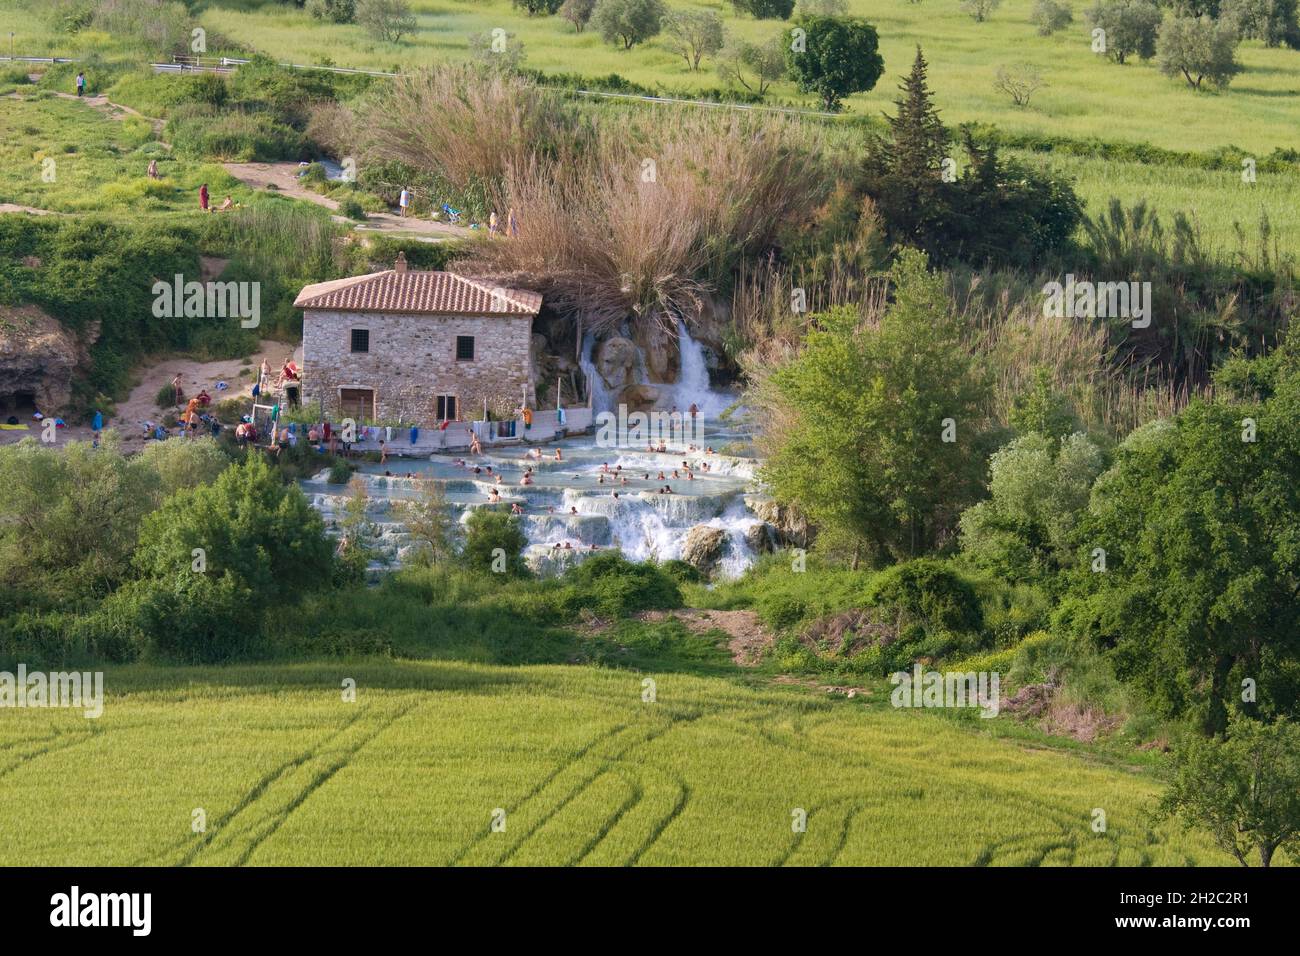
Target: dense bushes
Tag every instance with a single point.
(94, 273)
(998, 213)
(609, 585)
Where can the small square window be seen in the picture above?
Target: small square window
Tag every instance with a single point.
(464, 348)
(361, 340)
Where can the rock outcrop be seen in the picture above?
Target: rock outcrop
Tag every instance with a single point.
(704, 547)
(38, 358)
(615, 362)
(788, 525)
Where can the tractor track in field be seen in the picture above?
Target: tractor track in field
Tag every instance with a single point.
(251, 797)
(320, 779)
(581, 787)
(638, 793)
(846, 827)
(486, 831)
(54, 747)
(678, 804)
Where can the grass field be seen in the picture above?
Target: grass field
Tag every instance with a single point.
(411, 773)
(1086, 96)
(100, 167)
(99, 163)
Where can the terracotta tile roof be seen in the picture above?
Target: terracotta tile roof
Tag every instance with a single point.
(400, 290)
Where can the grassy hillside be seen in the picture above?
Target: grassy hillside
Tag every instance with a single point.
(1086, 95)
(100, 165)
(587, 773)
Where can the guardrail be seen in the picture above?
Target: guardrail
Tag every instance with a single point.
(41, 59)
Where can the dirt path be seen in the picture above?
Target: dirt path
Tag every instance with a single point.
(283, 177)
(116, 111)
(14, 207)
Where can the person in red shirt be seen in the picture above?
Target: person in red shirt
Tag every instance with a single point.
(203, 197)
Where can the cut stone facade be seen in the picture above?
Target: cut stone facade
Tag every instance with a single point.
(411, 347)
(411, 360)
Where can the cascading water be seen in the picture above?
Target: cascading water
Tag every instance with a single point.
(596, 497)
(601, 398)
(693, 381)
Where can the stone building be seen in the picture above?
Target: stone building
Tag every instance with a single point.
(418, 347)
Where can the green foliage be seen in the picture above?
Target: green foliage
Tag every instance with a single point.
(765, 9)
(980, 10)
(998, 213)
(1039, 487)
(609, 585)
(202, 131)
(628, 22)
(1244, 789)
(578, 12)
(69, 518)
(184, 464)
(1043, 410)
(1199, 49)
(930, 592)
(387, 20)
(1130, 27)
(333, 11)
(1197, 520)
(754, 66)
(430, 524)
(494, 543)
(1048, 16)
(862, 450)
(694, 34)
(1272, 21)
(534, 7)
(841, 57)
(340, 472)
(216, 556)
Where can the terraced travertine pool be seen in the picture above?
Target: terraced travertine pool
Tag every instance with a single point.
(596, 497)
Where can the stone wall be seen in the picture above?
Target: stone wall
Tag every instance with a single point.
(412, 359)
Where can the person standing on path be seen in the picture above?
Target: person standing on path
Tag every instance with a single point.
(97, 426)
(81, 83)
(404, 201)
(203, 197)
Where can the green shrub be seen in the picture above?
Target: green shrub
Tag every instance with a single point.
(167, 396)
(931, 592)
(190, 618)
(681, 572)
(340, 472)
(494, 542)
(609, 585)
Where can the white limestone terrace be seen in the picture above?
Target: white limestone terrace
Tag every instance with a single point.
(576, 501)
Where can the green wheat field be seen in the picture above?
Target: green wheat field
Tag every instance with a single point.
(713, 771)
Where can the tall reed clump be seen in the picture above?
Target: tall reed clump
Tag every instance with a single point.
(465, 126)
(656, 213)
(644, 214)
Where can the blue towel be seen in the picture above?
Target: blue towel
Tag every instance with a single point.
(415, 434)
